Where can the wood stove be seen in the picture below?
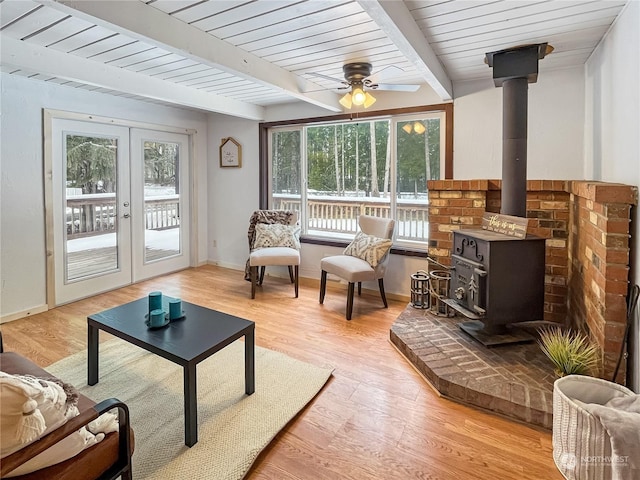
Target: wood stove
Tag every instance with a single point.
(497, 281)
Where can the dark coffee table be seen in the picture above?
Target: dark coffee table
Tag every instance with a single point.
(186, 342)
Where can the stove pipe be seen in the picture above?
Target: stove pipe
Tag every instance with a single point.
(514, 147)
(513, 70)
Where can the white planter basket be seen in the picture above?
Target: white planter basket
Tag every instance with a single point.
(580, 442)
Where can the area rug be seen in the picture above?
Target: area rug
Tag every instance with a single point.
(233, 428)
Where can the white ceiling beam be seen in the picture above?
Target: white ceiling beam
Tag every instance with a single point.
(395, 19)
(148, 24)
(47, 61)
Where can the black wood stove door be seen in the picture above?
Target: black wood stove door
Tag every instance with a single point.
(468, 284)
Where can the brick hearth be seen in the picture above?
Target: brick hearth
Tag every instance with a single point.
(513, 380)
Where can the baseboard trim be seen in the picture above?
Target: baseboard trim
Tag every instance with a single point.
(230, 266)
(309, 278)
(24, 313)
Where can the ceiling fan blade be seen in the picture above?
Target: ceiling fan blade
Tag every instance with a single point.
(395, 87)
(339, 86)
(326, 77)
(386, 72)
(340, 89)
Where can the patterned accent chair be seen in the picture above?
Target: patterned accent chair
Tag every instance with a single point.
(273, 240)
(364, 260)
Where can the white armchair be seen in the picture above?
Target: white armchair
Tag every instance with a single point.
(365, 259)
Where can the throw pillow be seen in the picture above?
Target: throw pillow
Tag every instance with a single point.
(31, 408)
(277, 235)
(369, 248)
(21, 422)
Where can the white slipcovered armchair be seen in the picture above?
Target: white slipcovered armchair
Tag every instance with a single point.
(365, 259)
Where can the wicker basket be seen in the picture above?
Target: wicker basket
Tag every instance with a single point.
(579, 439)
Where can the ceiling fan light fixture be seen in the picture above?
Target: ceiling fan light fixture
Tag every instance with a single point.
(346, 101)
(407, 127)
(368, 100)
(358, 96)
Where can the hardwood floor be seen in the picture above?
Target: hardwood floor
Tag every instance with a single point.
(375, 419)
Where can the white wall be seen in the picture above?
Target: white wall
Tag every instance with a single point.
(233, 192)
(22, 233)
(555, 127)
(612, 128)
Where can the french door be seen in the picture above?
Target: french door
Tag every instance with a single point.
(160, 226)
(120, 206)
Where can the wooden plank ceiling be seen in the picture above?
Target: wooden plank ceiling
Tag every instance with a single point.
(239, 56)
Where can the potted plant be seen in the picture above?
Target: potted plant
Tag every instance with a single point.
(570, 352)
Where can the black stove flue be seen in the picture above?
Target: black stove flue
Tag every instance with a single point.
(514, 147)
(513, 70)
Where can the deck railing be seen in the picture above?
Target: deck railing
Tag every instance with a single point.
(90, 214)
(339, 215)
(95, 214)
(162, 212)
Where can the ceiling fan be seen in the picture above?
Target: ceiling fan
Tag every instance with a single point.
(359, 80)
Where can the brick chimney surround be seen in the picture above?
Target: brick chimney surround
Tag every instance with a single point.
(586, 225)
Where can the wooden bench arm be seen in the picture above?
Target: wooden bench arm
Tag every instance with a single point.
(124, 437)
(13, 461)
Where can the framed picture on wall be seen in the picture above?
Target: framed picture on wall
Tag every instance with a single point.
(230, 153)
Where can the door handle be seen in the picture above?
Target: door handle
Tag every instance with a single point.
(126, 215)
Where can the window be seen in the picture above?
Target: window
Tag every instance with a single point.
(332, 170)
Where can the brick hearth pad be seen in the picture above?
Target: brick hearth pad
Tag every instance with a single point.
(513, 380)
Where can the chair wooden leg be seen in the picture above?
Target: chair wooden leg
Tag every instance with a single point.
(291, 273)
(295, 269)
(254, 274)
(323, 285)
(384, 298)
(262, 269)
(350, 300)
(359, 288)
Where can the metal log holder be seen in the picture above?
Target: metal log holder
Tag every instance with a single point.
(420, 291)
(439, 289)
